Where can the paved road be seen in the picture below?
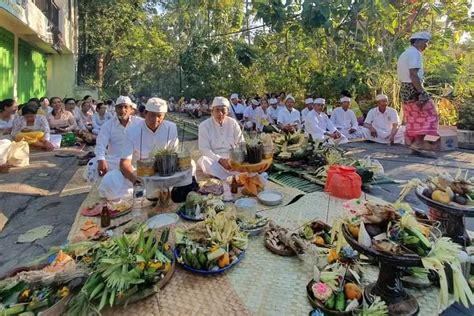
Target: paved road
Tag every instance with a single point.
(47, 174)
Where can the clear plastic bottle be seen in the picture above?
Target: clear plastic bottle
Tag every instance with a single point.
(137, 208)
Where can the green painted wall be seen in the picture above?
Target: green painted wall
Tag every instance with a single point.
(7, 43)
(32, 73)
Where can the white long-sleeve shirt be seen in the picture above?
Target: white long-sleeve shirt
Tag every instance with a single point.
(344, 120)
(112, 137)
(215, 141)
(304, 112)
(97, 121)
(236, 109)
(287, 117)
(317, 124)
(142, 141)
(263, 118)
(251, 113)
(273, 112)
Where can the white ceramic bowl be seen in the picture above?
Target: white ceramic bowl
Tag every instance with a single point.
(270, 197)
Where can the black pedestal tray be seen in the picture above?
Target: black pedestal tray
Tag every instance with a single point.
(388, 285)
(453, 226)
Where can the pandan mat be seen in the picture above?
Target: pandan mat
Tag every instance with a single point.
(263, 283)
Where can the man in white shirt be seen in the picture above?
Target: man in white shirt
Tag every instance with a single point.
(148, 135)
(236, 109)
(111, 138)
(289, 119)
(420, 115)
(250, 115)
(193, 109)
(320, 127)
(151, 134)
(309, 106)
(273, 109)
(217, 135)
(382, 123)
(344, 119)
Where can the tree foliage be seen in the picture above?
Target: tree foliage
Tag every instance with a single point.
(318, 47)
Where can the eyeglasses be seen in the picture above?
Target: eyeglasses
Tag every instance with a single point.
(220, 109)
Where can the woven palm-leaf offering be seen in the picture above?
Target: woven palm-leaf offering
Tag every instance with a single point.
(391, 235)
(124, 270)
(212, 246)
(41, 288)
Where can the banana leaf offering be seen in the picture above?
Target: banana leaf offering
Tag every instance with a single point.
(393, 231)
(124, 270)
(212, 245)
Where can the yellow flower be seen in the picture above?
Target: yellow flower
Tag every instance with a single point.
(141, 266)
(155, 265)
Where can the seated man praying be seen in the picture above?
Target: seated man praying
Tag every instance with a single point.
(289, 119)
(382, 123)
(112, 135)
(320, 127)
(142, 139)
(217, 135)
(345, 120)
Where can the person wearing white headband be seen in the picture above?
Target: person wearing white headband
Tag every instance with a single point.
(382, 124)
(345, 120)
(320, 127)
(111, 138)
(151, 134)
(309, 106)
(236, 109)
(216, 137)
(420, 115)
(273, 109)
(289, 119)
(264, 120)
(250, 114)
(193, 109)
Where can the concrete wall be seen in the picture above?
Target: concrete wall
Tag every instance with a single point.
(61, 75)
(27, 22)
(36, 21)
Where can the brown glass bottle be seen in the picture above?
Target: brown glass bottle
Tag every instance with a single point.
(234, 186)
(105, 217)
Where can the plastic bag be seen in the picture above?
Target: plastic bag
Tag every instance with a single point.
(55, 139)
(19, 154)
(91, 173)
(5, 145)
(69, 139)
(115, 186)
(343, 182)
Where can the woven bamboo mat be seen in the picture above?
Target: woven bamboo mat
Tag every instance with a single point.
(262, 283)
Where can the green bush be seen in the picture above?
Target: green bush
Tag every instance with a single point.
(466, 115)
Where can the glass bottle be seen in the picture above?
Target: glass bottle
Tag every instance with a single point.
(234, 185)
(105, 217)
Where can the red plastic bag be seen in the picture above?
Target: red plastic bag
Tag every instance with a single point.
(343, 182)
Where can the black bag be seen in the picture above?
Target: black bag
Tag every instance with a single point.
(179, 194)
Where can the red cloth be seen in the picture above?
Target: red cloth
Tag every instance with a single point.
(420, 121)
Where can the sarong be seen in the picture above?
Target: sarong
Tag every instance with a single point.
(420, 121)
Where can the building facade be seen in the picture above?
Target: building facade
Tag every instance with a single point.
(38, 48)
